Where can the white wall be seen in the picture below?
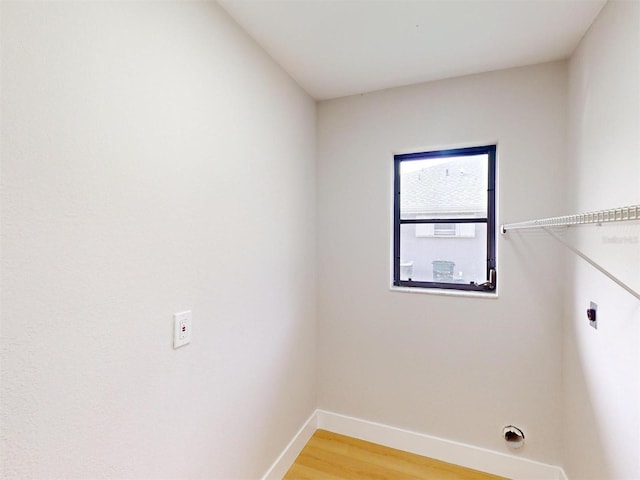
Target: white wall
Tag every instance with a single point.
(458, 368)
(602, 367)
(154, 159)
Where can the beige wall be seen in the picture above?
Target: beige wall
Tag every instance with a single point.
(455, 367)
(154, 159)
(602, 367)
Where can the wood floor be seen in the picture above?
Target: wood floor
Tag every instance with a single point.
(329, 456)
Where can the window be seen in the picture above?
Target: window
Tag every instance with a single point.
(444, 219)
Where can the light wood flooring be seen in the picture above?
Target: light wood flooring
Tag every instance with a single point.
(329, 456)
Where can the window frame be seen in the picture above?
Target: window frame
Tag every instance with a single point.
(490, 283)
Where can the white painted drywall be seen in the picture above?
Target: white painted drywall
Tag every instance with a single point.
(456, 368)
(602, 367)
(154, 159)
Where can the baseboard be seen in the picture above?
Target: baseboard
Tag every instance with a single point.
(509, 466)
(279, 468)
(469, 456)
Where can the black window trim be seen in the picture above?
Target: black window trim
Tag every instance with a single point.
(490, 220)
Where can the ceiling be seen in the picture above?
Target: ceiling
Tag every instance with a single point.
(334, 48)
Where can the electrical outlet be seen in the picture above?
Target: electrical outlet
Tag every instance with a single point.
(181, 328)
(591, 315)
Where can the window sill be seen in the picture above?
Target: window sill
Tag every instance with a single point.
(444, 292)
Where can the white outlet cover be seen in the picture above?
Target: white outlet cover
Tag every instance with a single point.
(181, 328)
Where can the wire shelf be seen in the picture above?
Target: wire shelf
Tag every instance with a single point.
(621, 214)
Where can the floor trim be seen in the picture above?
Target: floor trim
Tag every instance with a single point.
(282, 464)
(489, 461)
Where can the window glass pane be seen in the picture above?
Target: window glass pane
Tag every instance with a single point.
(444, 187)
(447, 259)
